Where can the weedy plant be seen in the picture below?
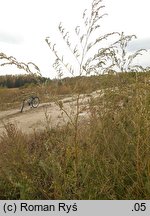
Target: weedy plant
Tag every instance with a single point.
(106, 156)
(122, 60)
(91, 58)
(87, 63)
(29, 67)
(111, 57)
(113, 156)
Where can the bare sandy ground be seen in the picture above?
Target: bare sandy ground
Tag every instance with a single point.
(47, 114)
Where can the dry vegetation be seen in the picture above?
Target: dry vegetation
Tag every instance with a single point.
(104, 156)
(110, 160)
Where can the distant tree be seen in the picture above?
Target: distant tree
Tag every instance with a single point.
(15, 81)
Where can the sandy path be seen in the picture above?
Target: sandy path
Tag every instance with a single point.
(46, 114)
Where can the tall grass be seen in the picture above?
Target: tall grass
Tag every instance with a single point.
(113, 154)
(104, 156)
(86, 63)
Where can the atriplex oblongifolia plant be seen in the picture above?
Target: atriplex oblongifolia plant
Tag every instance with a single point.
(87, 63)
(122, 60)
(10, 60)
(89, 54)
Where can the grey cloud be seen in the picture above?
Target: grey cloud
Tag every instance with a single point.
(10, 38)
(139, 44)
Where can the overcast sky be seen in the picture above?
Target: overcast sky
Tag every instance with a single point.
(24, 25)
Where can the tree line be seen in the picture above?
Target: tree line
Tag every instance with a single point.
(16, 81)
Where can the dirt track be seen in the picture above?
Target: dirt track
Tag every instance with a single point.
(46, 114)
(30, 119)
